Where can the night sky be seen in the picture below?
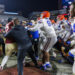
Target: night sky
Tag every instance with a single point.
(27, 6)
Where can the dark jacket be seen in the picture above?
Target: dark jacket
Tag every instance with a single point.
(19, 34)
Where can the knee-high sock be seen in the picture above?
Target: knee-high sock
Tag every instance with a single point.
(72, 51)
(4, 61)
(73, 69)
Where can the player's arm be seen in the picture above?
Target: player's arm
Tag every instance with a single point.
(8, 34)
(59, 31)
(36, 27)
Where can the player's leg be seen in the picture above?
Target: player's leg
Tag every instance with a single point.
(4, 61)
(45, 58)
(9, 48)
(20, 58)
(36, 48)
(3, 45)
(72, 54)
(67, 36)
(49, 46)
(32, 56)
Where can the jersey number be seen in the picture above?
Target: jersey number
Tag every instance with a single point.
(74, 28)
(48, 22)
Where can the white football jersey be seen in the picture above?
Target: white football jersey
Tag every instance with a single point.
(47, 27)
(73, 29)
